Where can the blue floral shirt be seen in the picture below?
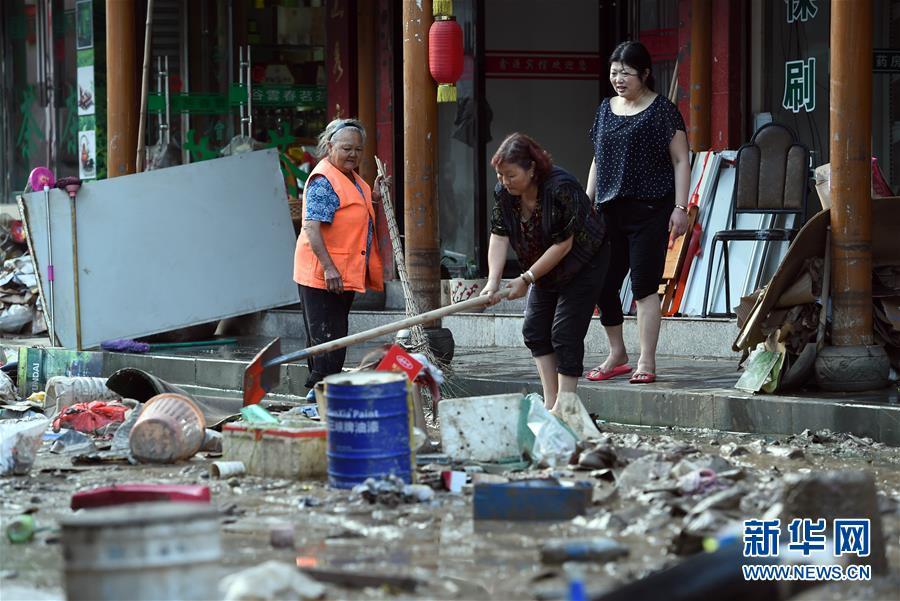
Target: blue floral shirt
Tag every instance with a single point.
(322, 203)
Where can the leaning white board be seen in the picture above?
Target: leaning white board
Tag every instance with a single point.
(170, 248)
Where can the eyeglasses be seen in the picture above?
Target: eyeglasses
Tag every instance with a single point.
(624, 74)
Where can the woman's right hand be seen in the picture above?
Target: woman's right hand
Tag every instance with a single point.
(490, 289)
(333, 280)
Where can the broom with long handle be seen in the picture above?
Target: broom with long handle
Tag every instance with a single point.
(417, 336)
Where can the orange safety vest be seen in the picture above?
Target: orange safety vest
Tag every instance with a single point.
(344, 237)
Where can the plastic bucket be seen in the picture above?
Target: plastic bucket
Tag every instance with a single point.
(142, 551)
(170, 428)
(368, 427)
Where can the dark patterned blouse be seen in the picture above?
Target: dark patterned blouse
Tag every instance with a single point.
(631, 153)
(564, 210)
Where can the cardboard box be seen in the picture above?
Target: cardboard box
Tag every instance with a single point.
(37, 365)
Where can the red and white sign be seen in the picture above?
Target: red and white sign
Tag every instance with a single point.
(398, 359)
(520, 64)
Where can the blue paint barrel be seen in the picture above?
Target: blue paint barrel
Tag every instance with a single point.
(369, 429)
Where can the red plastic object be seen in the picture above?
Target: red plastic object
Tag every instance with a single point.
(140, 493)
(90, 417)
(397, 359)
(17, 231)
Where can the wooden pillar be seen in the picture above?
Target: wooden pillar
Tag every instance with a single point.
(851, 171)
(701, 74)
(419, 154)
(122, 102)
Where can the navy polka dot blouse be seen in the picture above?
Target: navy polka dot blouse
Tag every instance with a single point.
(632, 153)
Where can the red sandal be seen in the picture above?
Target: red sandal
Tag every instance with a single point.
(598, 375)
(643, 377)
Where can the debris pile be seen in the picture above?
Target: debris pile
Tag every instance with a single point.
(19, 306)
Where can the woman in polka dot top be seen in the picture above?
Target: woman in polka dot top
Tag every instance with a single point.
(639, 180)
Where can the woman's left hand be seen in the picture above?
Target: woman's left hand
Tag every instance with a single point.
(517, 288)
(677, 223)
(376, 187)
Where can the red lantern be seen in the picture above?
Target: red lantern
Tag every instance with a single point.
(445, 56)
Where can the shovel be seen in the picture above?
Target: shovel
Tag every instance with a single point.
(263, 374)
(806, 360)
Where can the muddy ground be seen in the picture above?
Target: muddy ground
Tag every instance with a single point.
(440, 546)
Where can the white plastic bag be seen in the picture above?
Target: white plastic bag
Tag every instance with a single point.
(543, 437)
(20, 440)
(570, 409)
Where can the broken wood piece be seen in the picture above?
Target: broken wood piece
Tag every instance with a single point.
(358, 580)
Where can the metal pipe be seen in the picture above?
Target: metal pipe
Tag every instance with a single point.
(159, 91)
(50, 83)
(851, 151)
(75, 274)
(166, 96)
(243, 107)
(249, 94)
(185, 70)
(50, 276)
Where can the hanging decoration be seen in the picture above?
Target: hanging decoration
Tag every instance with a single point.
(442, 8)
(445, 55)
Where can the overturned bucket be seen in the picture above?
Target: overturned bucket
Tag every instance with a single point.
(170, 428)
(369, 429)
(145, 551)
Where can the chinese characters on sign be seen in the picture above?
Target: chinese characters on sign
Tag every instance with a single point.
(801, 10)
(540, 65)
(885, 61)
(761, 538)
(358, 427)
(800, 85)
(807, 536)
(850, 537)
(289, 96)
(800, 75)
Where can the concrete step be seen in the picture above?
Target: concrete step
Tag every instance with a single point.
(691, 393)
(679, 336)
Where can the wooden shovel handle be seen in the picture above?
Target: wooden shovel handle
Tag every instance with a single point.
(388, 328)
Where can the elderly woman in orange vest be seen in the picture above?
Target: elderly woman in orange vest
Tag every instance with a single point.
(337, 251)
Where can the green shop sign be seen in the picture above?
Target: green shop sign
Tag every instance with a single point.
(280, 96)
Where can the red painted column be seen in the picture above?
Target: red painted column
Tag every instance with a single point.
(727, 69)
(384, 118)
(684, 60)
(340, 57)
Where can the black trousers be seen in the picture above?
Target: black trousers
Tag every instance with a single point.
(638, 234)
(327, 318)
(557, 320)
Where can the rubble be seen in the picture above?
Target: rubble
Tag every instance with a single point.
(632, 501)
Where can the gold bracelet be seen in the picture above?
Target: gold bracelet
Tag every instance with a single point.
(681, 208)
(528, 276)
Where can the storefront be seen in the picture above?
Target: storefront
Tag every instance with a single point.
(203, 52)
(537, 66)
